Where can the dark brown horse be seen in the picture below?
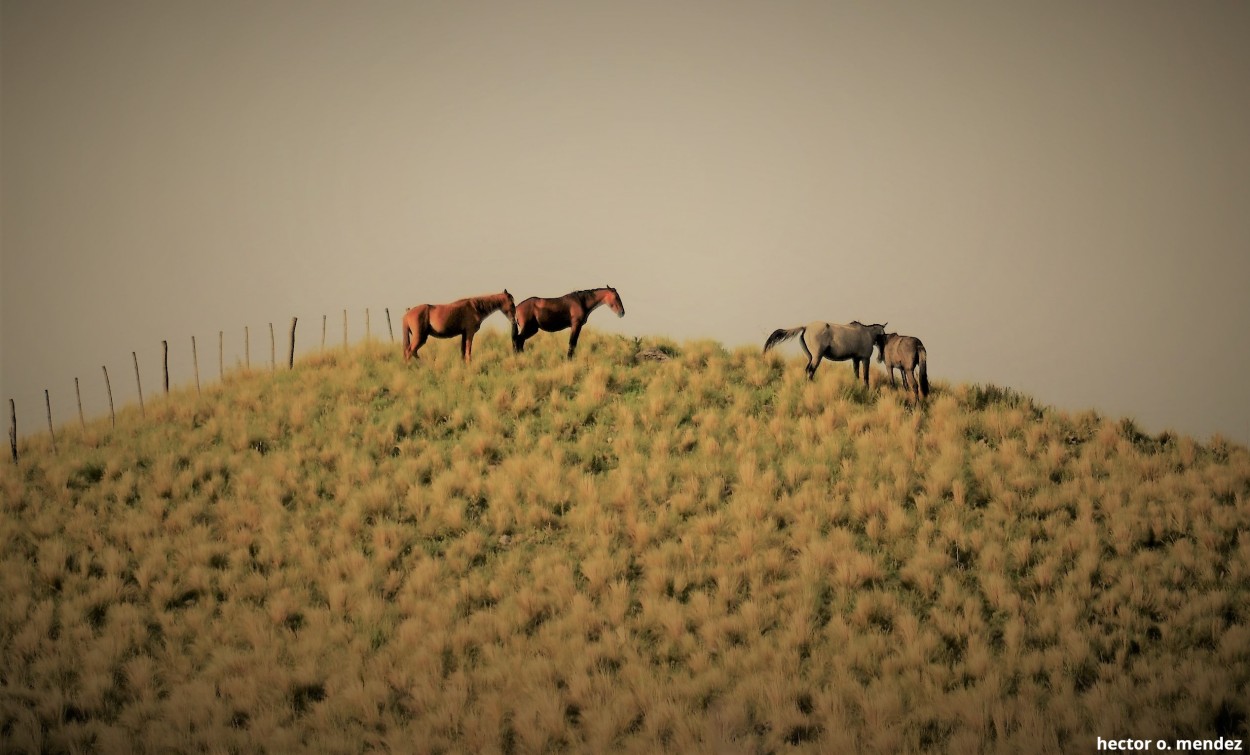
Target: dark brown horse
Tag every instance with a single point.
(905, 353)
(460, 318)
(568, 311)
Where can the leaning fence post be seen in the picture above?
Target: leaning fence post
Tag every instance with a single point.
(388, 323)
(48, 401)
(142, 412)
(78, 393)
(165, 346)
(13, 429)
(109, 387)
(273, 353)
(195, 360)
(290, 362)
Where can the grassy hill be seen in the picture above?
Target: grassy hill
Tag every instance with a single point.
(700, 553)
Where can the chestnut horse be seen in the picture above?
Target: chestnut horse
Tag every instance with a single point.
(460, 318)
(834, 342)
(568, 311)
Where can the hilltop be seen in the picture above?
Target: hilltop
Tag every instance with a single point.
(695, 551)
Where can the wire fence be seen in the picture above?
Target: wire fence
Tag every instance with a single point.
(15, 446)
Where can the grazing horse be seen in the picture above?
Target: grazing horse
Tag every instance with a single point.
(906, 353)
(461, 318)
(568, 311)
(834, 342)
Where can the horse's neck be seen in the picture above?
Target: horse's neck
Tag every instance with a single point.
(592, 299)
(488, 304)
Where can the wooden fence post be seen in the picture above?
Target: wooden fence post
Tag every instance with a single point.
(273, 351)
(78, 393)
(48, 401)
(345, 330)
(388, 324)
(290, 362)
(142, 412)
(368, 329)
(165, 345)
(247, 348)
(323, 332)
(109, 387)
(221, 356)
(195, 360)
(13, 429)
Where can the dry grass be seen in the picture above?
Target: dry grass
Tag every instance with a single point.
(707, 553)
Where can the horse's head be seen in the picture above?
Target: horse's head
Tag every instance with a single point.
(614, 301)
(879, 340)
(509, 306)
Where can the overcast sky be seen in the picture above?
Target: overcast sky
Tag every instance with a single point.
(1053, 196)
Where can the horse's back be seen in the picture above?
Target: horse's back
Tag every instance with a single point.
(842, 339)
(550, 313)
(904, 350)
(414, 314)
(532, 306)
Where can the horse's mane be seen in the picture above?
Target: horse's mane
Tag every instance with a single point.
(488, 303)
(591, 293)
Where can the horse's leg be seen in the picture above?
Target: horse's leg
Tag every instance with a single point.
(421, 334)
(812, 364)
(890, 368)
(576, 327)
(466, 345)
(907, 384)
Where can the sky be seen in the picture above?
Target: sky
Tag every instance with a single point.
(1054, 197)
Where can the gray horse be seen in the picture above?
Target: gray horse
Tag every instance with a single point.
(905, 353)
(834, 342)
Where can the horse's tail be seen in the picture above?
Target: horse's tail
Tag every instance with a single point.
(781, 334)
(923, 358)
